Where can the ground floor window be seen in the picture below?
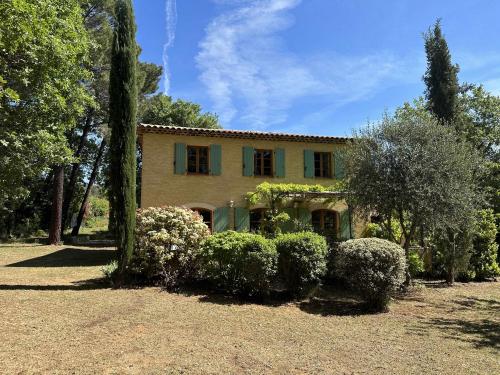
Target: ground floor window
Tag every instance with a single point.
(256, 219)
(207, 216)
(325, 221)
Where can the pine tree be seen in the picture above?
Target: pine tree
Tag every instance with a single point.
(441, 76)
(122, 113)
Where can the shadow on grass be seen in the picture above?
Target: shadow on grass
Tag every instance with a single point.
(480, 333)
(91, 284)
(69, 257)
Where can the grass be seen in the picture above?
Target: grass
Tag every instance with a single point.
(57, 317)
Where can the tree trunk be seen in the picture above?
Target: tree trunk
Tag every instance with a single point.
(74, 171)
(86, 196)
(57, 201)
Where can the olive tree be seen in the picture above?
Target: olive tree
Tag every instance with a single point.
(411, 168)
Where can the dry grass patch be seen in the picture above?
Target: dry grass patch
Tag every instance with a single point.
(57, 318)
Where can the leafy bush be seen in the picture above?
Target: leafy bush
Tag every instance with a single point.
(483, 261)
(167, 244)
(98, 207)
(372, 267)
(301, 260)
(415, 264)
(109, 270)
(379, 231)
(240, 263)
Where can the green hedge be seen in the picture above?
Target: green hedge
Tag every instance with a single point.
(239, 263)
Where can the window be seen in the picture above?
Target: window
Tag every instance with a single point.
(323, 164)
(263, 162)
(206, 215)
(325, 221)
(256, 218)
(197, 159)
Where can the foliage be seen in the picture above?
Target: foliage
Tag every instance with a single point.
(98, 207)
(241, 263)
(372, 267)
(415, 264)
(122, 118)
(109, 270)
(411, 168)
(167, 243)
(483, 263)
(42, 66)
(277, 196)
(301, 260)
(391, 232)
(441, 76)
(161, 110)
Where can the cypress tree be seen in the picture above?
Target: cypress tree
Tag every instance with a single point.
(441, 76)
(122, 115)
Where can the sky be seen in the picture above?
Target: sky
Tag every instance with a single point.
(310, 66)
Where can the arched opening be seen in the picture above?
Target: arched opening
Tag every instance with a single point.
(325, 222)
(207, 216)
(256, 219)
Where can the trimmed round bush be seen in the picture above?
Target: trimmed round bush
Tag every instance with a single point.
(239, 263)
(301, 260)
(167, 244)
(372, 267)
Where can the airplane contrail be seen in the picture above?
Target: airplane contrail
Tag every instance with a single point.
(170, 23)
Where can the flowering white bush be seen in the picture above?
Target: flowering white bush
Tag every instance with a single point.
(373, 267)
(167, 242)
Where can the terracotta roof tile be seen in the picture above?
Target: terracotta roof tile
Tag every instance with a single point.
(242, 134)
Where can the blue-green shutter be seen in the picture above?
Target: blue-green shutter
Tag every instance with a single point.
(247, 161)
(215, 160)
(221, 219)
(308, 163)
(241, 219)
(180, 158)
(339, 165)
(288, 226)
(279, 162)
(345, 225)
(304, 216)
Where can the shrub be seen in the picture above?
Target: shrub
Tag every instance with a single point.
(167, 244)
(239, 263)
(98, 207)
(483, 261)
(379, 231)
(301, 260)
(415, 264)
(109, 270)
(372, 267)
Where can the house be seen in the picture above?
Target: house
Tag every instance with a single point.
(212, 170)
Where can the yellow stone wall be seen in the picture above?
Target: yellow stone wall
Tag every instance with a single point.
(161, 186)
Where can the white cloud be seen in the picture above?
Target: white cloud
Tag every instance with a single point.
(252, 77)
(170, 23)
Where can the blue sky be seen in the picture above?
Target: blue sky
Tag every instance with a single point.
(311, 66)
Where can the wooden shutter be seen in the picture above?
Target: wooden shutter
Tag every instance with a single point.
(221, 219)
(308, 163)
(304, 216)
(339, 165)
(241, 219)
(279, 162)
(345, 225)
(247, 161)
(215, 159)
(180, 158)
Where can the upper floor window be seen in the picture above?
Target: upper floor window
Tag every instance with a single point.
(263, 162)
(323, 164)
(197, 159)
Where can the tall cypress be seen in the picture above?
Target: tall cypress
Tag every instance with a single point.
(441, 76)
(122, 115)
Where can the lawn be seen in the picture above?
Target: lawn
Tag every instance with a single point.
(57, 317)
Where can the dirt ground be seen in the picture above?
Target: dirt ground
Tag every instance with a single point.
(56, 317)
